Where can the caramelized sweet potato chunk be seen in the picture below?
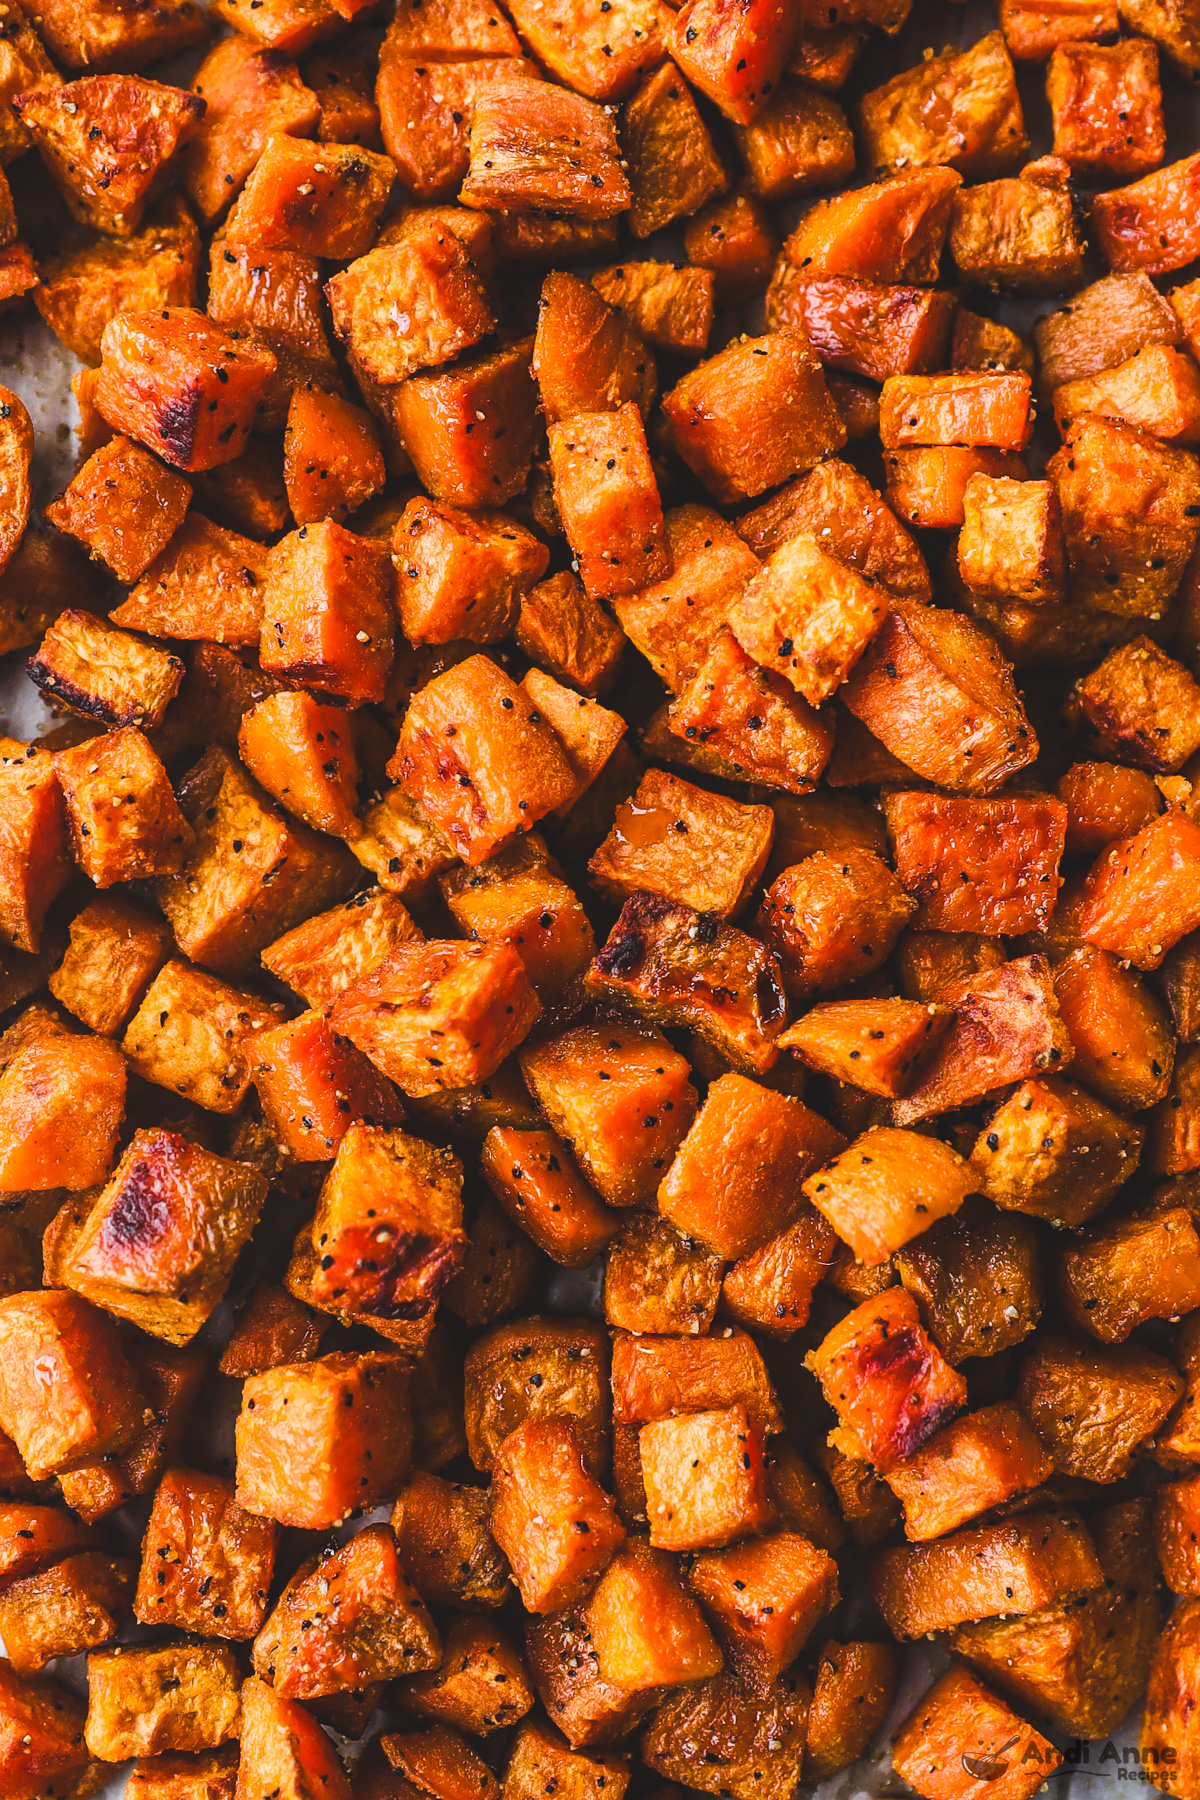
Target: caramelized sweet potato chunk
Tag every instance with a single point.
(958, 1710)
(886, 1380)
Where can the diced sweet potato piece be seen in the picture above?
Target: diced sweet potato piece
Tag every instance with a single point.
(675, 622)
(427, 107)
(533, 1177)
(551, 1518)
(736, 240)
(588, 1709)
(766, 1598)
(726, 1737)
(587, 358)
(109, 37)
(157, 1245)
(600, 56)
(1175, 1505)
(461, 575)
(519, 896)
(1143, 707)
(978, 410)
(753, 415)
(343, 1442)
(877, 1045)
(207, 584)
(205, 1775)
(1102, 326)
(1011, 543)
(62, 1103)
(981, 343)
(853, 1688)
(318, 199)
(674, 167)
(104, 673)
(676, 967)
(675, 839)
(444, 1542)
(470, 429)
(928, 486)
(607, 498)
(658, 1280)
(1107, 108)
(977, 1277)
(191, 1034)
(206, 1564)
(311, 1084)
(540, 1762)
(185, 387)
(890, 232)
(321, 957)
(273, 1329)
(672, 308)
(447, 29)
(736, 1177)
(274, 297)
(925, 665)
(1150, 225)
(333, 459)
(886, 1380)
(807, 615)
(825, 54)
(771, 1289)
(66, 1390)
(1167, 1745)
(76, 1605)
(106, 141)
(1118, 1276)
(1106, 801)
(799, 141)
(1007, 1026)
(123, 506)
(978, 1462)
(284, 1750)
(830, 919)
(301, 753)
(887, 1187)
(962, 109)
(865, 1501)
(122, 817)
(1030, 1157)
(537, 1369)
(1082, 1661)
(562, 627)
(170, 1379)
(94, 276)
(735, 55)
(482, 1685)
(1140, 898)
(33, 1538)
(705, 1479)
(1095, 1406)
(42, 1751)
(1157, 391)
(1017, 1566)
(536, 147)
(862, 326)
(1019, 235)
(959, 1711)
(1122, 1038)
(250, 94)
(646, 1629)
(1033, 28)
(659, 1378)
(752, 718)
(945, 852)
(328, 617)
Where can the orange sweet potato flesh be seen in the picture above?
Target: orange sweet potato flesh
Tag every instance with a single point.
(16, 454)
(959, 1711)
(886, 1380)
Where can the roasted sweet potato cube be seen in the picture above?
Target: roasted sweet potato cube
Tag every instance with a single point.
(646, 1629)
(431, 1015)
(830, 919)
(825, 54)
(673, 166)
(1106, 801)
(887, 1187)
(551, 1518)
(753, 415)
(735, 1180)
(470, 429)
(123, 506)
(926, 664)
(250, 95)
(1175, 1505)
(1102, 326)
(426, 108)
(537, 1369)
(620, 1097)
(207, 583)
(978, 1462)
(479, 756)
(676, 622)
(766, 1599)
(482, 1685)
(587, 357)
(771, 1289)
(23, 64)
(1019, 234)
(1107, 107)
(853, 1689)
(752, 718)
(1143, 708)
(328, 618)
(1171, 1140)
(658, 1280)
(33, 1538)
(541, 1760)
(598, 56)
(978, 410)
(321, 957)
(736, 240)
(962, 109)
(608, 501)
(447, 29)
(1141, 895)
(928, 486)
(312, 1084)
(205, 1775)
(185, 387)
(274, 1328)
(43, 1752)
(318, 199)
(104, 673)
(93, 277)
(1150, 225)
(274, 297)
(877, 1045)
(519, 896)
(106, 140)
(122, 817)
(149, 1698)
(840, 508)
(62, 1102)
(284, 1749)
(735, 55)
(534, 1178)
(1011, 542)
(588, 1709)
(66, 1390)
(1156, 391)
(865, 1502)
(342, 1441)
(982, 343)
(1094, 1406)
(333, 458)
(675, 839)
(671, 307)
(1034, 28)
(1017, 1566)
(892, 231)
(191, 1033)
(744, 1742)
(677, 967)
(886, 1380)
(302, 753)
(807, 615)
(946, 857)
(705, 1479)
(346, 1619)
(206, 1564)
(977, 1277)
(445, 1543)
(157, 1245)
(76, 1605)
(862, 326)
(35, 858)
(957, 1711)
(461, 575)
(170, 1380)
(536, 147)
(1167, 1735)
(1122, 1037)
(590, 735)
(439, 1761)
(658, 1378)
(562, 628)
(799, 141)
(1117, 1276)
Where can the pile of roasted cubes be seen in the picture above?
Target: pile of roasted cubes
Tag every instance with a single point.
(566, 760)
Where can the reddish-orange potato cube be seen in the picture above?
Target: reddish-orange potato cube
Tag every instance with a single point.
(42, 1751)
(319, 199)
(959, 108)
(124, 506)
(284, 1750)
(67, 1392)
(646, 1629)
(705, 1479)
(734, 54)
(887, 1187)
(206, 1564)
(960, 1727)
(122, 815)
(607, 498)
(537, 1183)
(328, 618)
(551, 1518)
(314, 1087)
(979, 1461)
(332, 457)
(540, 148)
(978, 410)
(886, 1380)
(188, 389)
(832, 918)
(461, 575)
(1107, 107)
(1143, 894)
(426, 279)
(1153, 224)
(62, 1103)
(460, 457)
(766, 1598)
(946, 856)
